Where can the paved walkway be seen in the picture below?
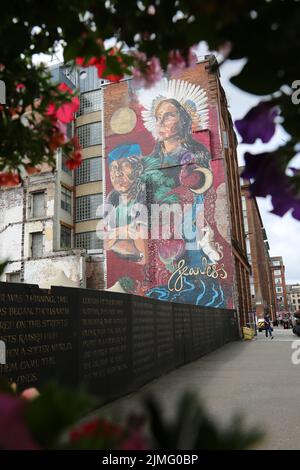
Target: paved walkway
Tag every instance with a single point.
(256, 378)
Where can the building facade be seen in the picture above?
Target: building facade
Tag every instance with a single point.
(293, 297)
(53, 222)
(37, 229)
(261, 283)
(279, 284)
(171, 151)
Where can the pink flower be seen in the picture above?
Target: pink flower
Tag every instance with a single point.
(135, 441)
(75, 160)
(20, 87)
(177, 63)
(57, 140)
(225, 49)
(30, 393)
(14, 434)
(147, 72)
(65, 112)
(192, 57)
(98, 62)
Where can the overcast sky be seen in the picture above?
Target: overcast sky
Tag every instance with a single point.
(283, 232)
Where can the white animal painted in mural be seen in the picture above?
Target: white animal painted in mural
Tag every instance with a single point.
(212, 249)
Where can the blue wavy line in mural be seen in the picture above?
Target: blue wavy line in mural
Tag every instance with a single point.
(202, 293)
(160, 293)
(215, 296)
(222, 298)
(188, 289)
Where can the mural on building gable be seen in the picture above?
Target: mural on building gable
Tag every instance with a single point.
(158, 158)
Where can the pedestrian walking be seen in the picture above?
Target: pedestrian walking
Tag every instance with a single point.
(268, 326)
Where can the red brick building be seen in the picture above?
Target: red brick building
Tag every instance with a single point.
(124, 111)
(261, 283)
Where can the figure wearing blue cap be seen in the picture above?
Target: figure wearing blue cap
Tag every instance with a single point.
(125, 168)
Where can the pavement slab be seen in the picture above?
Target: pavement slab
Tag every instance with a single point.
(256, 379)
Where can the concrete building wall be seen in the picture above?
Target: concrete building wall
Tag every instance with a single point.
(293, 297)
(11, 215)
(72, 264)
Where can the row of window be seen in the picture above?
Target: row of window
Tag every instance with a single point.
(90, 170)
(90, 102)
(90, 134)
(88, 207)
(87, 240)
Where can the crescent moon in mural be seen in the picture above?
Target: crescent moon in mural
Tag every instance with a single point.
(208, 180)
(123, 121)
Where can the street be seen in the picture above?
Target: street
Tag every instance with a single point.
(256, 379)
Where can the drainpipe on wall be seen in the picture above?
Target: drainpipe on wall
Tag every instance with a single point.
(25, 184)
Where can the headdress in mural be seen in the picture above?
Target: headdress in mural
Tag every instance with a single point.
(192, 97)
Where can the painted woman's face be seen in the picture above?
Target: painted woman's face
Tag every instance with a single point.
(121, 175)
(167, 121)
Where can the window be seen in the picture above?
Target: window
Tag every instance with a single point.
(89, 170)
(86, 207)
(36, 244)
(248, 247)
(246, 227)
(65, 237)
(277, 272)
(64, 158)
(90, 102)
(276, 263)
(279, 290)
(90, 134)
(66, 199)
(13, 277)
(294, 301)
(38, 204)
(89, 241)
(277, 280)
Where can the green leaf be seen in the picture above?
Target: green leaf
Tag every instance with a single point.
(266, 80)
(55, 410)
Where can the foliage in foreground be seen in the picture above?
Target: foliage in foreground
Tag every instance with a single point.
(58, 418)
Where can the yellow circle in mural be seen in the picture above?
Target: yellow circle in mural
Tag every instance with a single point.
(123, 121)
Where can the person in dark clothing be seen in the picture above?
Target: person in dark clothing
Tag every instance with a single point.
(268, 327)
